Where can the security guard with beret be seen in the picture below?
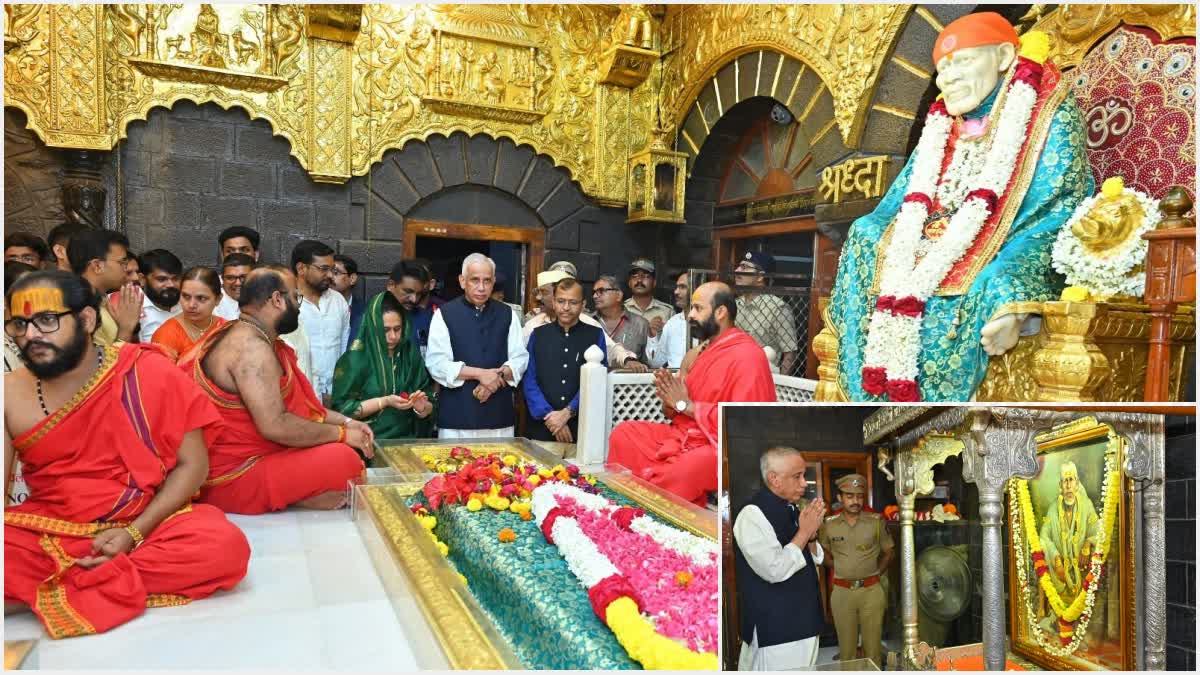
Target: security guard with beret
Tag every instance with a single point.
(858, 548)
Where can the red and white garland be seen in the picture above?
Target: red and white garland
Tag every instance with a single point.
(657, 641)
(974, 182)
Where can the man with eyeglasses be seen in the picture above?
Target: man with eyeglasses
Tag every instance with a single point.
(324, 313)
(27, 248)
(555, 355)
(618, 356)
(100, 256)
(629, 330)
(234, 270)
(345, 278)
(113, 441)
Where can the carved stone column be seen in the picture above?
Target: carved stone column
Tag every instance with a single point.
(999, 447)
(83, 189)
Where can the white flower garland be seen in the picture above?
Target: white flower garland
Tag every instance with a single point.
(893, 339)
(1108, 275)
(700, 550)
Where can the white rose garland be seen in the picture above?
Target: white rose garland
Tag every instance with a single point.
(1108, 275)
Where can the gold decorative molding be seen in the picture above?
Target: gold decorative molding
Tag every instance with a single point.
(1096, 350)
(1076, 28)
(228, 79)
(845, 45)
(370, 78)
(825, 346)
(888, 419)
(338, 23)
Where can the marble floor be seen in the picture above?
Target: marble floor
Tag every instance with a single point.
(311, 600)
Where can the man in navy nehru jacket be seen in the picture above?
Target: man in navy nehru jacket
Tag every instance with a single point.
(476, 353)
(777, 556)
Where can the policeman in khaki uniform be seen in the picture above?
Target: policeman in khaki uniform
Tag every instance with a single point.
(858, 548)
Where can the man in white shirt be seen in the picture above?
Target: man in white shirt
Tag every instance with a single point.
(162, 270)
(324, 313)
(234, 270)
(776, 555)
(477, 354)
(667, 347)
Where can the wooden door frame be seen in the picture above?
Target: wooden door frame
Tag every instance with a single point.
(535, 237)
(724, 245)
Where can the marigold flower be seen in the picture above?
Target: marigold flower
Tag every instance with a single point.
(474, 504)
(510, 460)
(507, 535)
(526, 515)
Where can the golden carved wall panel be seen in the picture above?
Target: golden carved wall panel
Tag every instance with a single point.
(845, 45)
(346, 83)
(1077, 28)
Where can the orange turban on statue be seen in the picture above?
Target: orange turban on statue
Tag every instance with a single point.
(973, 30)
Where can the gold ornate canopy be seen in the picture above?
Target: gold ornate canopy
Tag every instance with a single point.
(345, 83)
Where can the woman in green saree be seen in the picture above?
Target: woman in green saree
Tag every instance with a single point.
(381, 379)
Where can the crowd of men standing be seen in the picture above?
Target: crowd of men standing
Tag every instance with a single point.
(342, 343)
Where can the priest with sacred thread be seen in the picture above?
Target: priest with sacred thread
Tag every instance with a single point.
(279, 446)
(728, 366)
(113, 445)
(941, 275)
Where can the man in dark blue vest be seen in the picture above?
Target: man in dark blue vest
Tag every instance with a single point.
(476, 353)
(776, 557)
(555, 356)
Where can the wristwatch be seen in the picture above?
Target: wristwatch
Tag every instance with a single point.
(681, 405)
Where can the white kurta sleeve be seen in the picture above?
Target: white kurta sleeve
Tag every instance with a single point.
(439, 356)
(518, 354)
(756, 539)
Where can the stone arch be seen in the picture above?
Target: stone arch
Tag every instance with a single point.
(765, 73)
(479, 179)
(411, 181)
(32, 179)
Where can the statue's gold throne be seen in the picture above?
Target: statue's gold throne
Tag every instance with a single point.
(1132, 87)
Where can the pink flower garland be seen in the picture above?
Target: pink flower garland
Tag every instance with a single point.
(686, 613)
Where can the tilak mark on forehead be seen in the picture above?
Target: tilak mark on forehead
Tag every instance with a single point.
(39, 299)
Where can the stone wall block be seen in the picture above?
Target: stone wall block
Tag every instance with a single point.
(481, 159)
(198, 139)
(248, 178)
(192, 174)
(417, 164)
(383, 222)
(541, 181)
(182, 210)
(566, 200)
(143, 206)
(392, 185)
(513, 162)
(222, 212)
(256, 143)
(450, 158)
(334, 223)
(373, 257)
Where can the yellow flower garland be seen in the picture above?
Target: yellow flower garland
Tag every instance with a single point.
(1071, 613)
(647, 647)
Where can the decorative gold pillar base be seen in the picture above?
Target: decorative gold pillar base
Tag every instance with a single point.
(1071, 366)
(825, 347)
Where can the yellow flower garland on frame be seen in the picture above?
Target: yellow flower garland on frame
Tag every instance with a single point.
(649, 648)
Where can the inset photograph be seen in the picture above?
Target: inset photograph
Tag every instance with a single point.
(958, 538)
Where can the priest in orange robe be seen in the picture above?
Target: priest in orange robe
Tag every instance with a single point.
(729, 366)
(278, 446)
(112, 445)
